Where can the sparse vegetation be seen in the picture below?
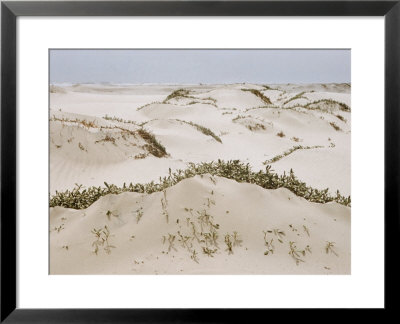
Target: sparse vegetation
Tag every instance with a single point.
(85, 123)
(102, 237)
(267, 87)
(329, 248)
(139, 214)
(268, 244)
(341, 118)
(298, 96)
(202, 129)
(297, 254)
(229, 244)
(336, 127)
(107, 138)
(281, 134)
(164, 205)
(209, 252)
(255, 127)
(153, 146)
(80, 198)
(120, 120)
(260, 95)
(194, 256)
(289, 151)
(171, 239)
(148, 104)
(178, 93)
(81, 147)
(306, 230)
(250, 124)
(58, 229)
(110, 213)
(323, 104)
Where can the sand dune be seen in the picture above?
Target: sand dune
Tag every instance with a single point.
(138, 133)
(203, 214)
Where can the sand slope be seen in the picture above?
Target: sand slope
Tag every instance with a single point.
(247, 127)
(202, 225)
(137, 225)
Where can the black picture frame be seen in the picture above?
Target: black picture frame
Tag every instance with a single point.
(9, 13)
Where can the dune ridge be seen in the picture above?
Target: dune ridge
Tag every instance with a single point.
(205, 224)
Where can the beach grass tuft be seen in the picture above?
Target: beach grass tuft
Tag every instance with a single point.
(260, 95)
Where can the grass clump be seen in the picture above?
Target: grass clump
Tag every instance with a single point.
(256, 127)
(107, 138)
(81, 147)
(102, 236)
(289, 151)
(341, 118)
(336, 127)
(268, 244)
(329, 248)
(298, 96)
(328, 103)
(259, 95)
(79, 198)
(297, 254)
(120, 120)
(85, 123)
(281, 134)
(251, 124)
(176, 94)
(153, 146)
(206, 131)
(241, 117)
(267, 87)
(148, 104)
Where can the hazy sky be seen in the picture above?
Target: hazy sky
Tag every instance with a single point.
(200, 66)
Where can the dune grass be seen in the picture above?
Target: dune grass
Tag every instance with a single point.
(80, 198)
(177, 94)
(336, 127)
(85, 123)
(259, 95)
(153, 145)
(298, 96)
(340, 117)
(328, 102)
(120, 120)
(290, 151)
(202, 129)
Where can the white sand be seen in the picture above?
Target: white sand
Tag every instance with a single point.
(251, 210)
(99, 150)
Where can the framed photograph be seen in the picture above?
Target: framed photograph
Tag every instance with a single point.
(171, 161)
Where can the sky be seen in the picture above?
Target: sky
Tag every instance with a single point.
(200, 66)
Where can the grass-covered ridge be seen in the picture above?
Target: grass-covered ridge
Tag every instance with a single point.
(298, 96)
(153, 145)
(180, 93)
(290, 151)
(80, 198)
(206, 131)
(323, 104)
(260, 95)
